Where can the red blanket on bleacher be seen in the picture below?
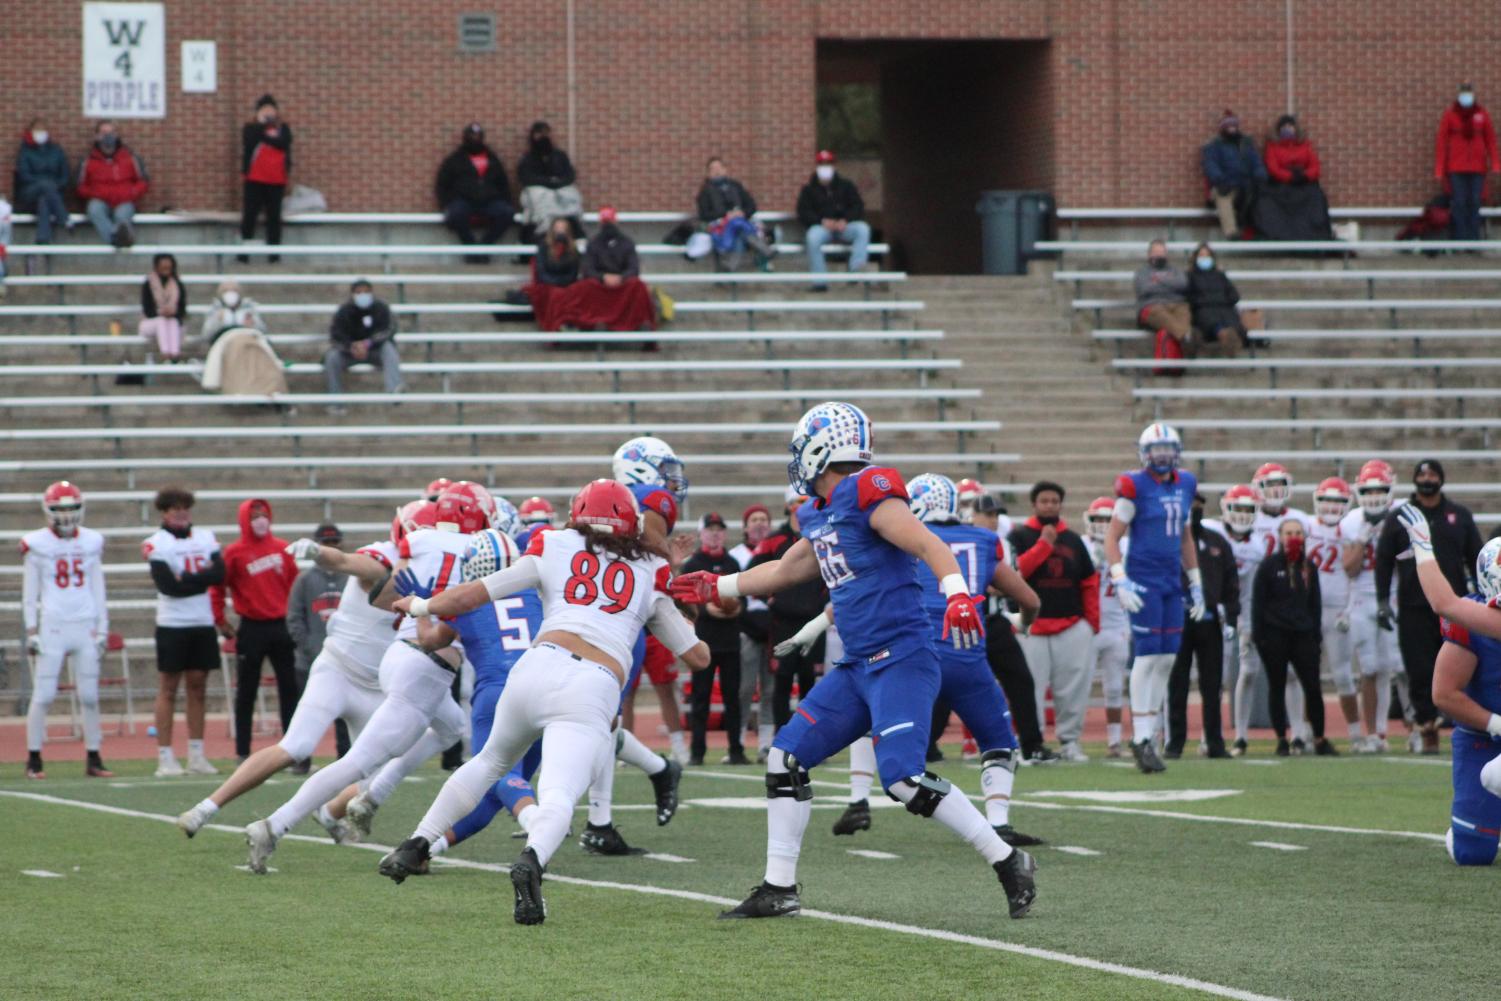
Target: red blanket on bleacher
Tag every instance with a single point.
(588, 304)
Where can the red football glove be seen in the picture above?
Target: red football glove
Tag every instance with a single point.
(964, 622)
(697, 588)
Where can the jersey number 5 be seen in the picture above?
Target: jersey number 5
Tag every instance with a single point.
(69, 574)
(584, 587)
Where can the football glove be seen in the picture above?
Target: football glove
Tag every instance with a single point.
(963, 622)
(304, 549)
(1418, 532)
(406, 583)
(1385, 619)
(1342, 622)
(1229, 632)
(802, 640)
(33, 644)
(697, 588)
(1127, 591)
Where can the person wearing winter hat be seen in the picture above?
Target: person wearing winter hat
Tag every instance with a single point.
(1233, 169)
(472, 184)
(831, 210)
(755, 621)
(1292, 206)
(41, 179)
(266, 164)
(549, 185)
(1465, 151)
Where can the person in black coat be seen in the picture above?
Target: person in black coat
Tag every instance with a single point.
(1205, 641)
(472, 183)
(727, 210)
(362, 330)
(830, 209)
(719, 627)
(1212, 297)
(548, 183)
(1286, 626)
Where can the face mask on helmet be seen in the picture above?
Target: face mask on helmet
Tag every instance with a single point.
(1162, 456)
(1330, 509)
(65, 517)
(1240, 515)
(1375, 499)
(1098, 523)
(1274, 493)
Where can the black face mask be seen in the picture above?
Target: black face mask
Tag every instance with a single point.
(1047, 519)
(474, 145)
(542, 145)
(1428, 488)
(178, 533)
(1157, 262)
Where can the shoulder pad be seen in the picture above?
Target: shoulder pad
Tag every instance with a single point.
(874, 484)
(534, 547)
(660, 500)
(1125, 486)
(1455, 633)
(147, 549)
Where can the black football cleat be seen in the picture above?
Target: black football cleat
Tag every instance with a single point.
(856, 817)
(766, 901)
(95, 768)
(665, 784)
(34, 768)
(606, 840)
(1283, 748)
(526, 880)
(1145, 753)
(1015, 838)
(1016, 873)
(410, 858)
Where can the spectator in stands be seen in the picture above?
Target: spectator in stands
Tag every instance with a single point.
(41, 179)
(555, 266)
(549, 186)
(363, 330)
(240, 361)
(1292, 206)
(610, 294)
(1212, 297)
(1162, 298)
(266, 163)
(1055, 562)
(830, 209)
(1233, 170)
(111, 179)
(315, 597)
(230, 308)
(755, 621)
(1286, 621)
(472, 184)
(1204, 641)
(164, 307)
(1465, 151)
(728, 212)
(718, 626)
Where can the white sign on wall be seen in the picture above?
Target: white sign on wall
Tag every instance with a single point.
(124, 60)
(200, 67)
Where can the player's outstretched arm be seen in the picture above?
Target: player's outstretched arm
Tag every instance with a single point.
(525, 574)
(1451, 673)
(366, 570)
(1014, 586)
(894, 521)
(433, 634)
(1436, 588)
(700, 587)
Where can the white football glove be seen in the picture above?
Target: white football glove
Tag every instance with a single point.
(304, 549)
(802, 640)
(1229, 633)
(1126, 590)
(1417, 532)
(1342, 622)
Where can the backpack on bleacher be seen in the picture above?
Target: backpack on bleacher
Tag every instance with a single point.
(1166, 347)
(1433, 224)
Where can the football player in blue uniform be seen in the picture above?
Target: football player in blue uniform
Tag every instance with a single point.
(859, 533)
(1152, 508)
(1467, 688)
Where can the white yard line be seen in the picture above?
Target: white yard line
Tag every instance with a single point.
(870, 853)
(1076, 850)
(42, 873)
(937, 934)
(1280, 846)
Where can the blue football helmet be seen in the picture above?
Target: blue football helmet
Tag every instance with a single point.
(489, 551)
(650, 461)
(1159, 447)
(830, 432)
(933, 497)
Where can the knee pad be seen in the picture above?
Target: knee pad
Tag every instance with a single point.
(1005, 758)
(929, 792)
(792, 782)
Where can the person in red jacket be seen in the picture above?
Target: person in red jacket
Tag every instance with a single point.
(266, 163)
(1465, 151)
(1290, 158)
(111, 179)
(258, 578)
(1292, 206)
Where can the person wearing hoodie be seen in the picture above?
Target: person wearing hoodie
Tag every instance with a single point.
(472, 184)
(1055, 562)
(111, 179)
(41, 179)
(266, 165)
(831, 210)
(258, 578)
(1465, 152)
(610, 295)
(549, 185)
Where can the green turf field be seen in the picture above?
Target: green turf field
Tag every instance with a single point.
(1349, 895)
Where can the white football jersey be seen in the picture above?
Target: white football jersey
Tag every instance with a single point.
(1113, 618)
(1357, 528)
(436, 556)
(1249, 551)
(1269, 522)
(358, 632)
(602, 600)
(1325, 548)
(188, 555)
(63, 578)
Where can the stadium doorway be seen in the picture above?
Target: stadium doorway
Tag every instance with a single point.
(924, 126)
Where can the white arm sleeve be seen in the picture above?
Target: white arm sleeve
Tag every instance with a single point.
(523, 575)
(668, 625)
(1125, 510)
(96, 587)
(31, 589)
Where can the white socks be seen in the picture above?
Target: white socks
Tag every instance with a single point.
(679, 744)
(1383, 701)
(786, 820)
(602, 787)
(208, 808)
(959, 815)
(1112, 733)
(460, 794)
(164, 756)
(633, 752)
(438, 847)
(1149, 678)
(522, 818)
(195, 749)
(862, 768)
(996, 782)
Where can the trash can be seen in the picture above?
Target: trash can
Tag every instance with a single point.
(1011, 224)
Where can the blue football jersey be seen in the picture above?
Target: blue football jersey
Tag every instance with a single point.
(1162, 513)
(977, 550)
(872, 584)
(1485, 683)
(658, 499)
(496, 635)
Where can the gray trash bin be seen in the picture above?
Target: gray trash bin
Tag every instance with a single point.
(1011, 223)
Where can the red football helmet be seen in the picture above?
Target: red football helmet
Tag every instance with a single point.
(606, 506)
(1238, 508)
(1275, 484)
(412, 516)
(436, 487)
(481, 495)
(1331, 499)
(970, 490)
(1097, 517)
(1373, 486)
(63, 505)
(536, 511)
(458, 510)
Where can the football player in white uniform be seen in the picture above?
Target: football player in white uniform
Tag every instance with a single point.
(63, 610)
(1111, 649)
(1275, 484)
(1326, 544)
(1375, 648)
(970, 492)
(599, 587)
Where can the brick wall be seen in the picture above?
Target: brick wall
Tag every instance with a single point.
(1125, 90)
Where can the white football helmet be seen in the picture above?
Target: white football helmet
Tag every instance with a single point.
(1488, 569)
(933, 498)
(489, 551)
(1158, 447)
(505, 518)
(650, 461)
(830, 432)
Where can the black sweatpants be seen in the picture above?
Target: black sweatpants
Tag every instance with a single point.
(1419, 639)
(262, 197)
(1205, 642)
(1009, 665)
(727, 663)
(257, 641)
(1278, 649)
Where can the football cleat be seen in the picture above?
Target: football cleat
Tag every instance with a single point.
(1114, 751)
(1379, 745)
(1016, 873)
(856, 817)
(1043, 755)
(1324, 748)
(410, 858)
(767, 901)
(1283, 748)
(606, 840)
(1015, 838)
(191, 821)
(262, 843)
(970, 751)
(1216, 751)
(1071, 751)
(169, 769)
(338, 828)
(526, 880)
(1239, 748)
(360, 813)
(665, 785)
(1145, 753)
(95, 769)
(199, 765)
(1299, 746)
(1362, 745)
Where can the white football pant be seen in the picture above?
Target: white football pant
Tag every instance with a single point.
(61, 640)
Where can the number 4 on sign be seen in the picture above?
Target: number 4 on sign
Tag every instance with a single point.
(123, 64)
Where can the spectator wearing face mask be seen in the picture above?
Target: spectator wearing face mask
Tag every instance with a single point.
(1465, 151)
(1162, 298)
(266, 164)
(240, 360)
(1292, 206)
(1286, 618)
(610, 295)
(41, 179)
(1211, 298)
(728, 212)
(1233, 170)
(719, 627)
(164, 307)
(831, 210)
(472, 184)
(549, 186)
(258, 578)
(555, 266)
(755, 625)
(230, 308)
(363, 330)
(111, 179)
(1456, 543)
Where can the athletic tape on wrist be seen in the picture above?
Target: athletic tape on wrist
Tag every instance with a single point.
(729, 585)
(954, 585)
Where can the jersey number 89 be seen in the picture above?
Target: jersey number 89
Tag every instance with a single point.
(584, 587)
